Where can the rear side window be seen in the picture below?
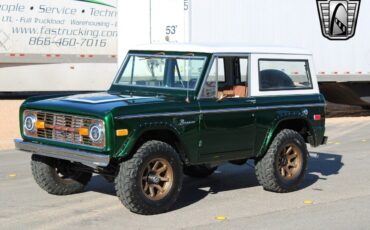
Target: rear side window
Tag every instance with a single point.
(284, 75)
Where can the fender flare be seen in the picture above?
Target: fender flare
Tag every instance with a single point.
(273, 130)
(128, 145)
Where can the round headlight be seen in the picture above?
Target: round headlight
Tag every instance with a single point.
(96, 133)
(30, 123)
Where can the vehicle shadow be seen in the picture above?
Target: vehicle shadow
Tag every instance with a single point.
(100, 185)
(321, 166)
(229, 177)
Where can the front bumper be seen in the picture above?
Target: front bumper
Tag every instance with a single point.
(90, 159)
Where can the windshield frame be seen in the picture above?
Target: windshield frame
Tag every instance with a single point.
(159, 54)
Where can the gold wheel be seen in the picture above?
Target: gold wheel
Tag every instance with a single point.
(157, 179)
(290, 162)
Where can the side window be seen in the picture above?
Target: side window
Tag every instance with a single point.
(227, 78)
(284, 75)
(221, 70)
(244, 70)
(209, 89)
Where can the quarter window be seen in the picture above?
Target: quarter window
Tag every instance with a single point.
(244, 70)
(284, 75)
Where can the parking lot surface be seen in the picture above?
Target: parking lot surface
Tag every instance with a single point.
(335, 195)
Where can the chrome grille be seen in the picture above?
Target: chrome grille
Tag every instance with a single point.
(64, 128)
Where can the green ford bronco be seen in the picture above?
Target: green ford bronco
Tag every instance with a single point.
(179, 109)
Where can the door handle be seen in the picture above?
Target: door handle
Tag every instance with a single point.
(251, 101)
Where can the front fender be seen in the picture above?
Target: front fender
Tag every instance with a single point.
(129, 142)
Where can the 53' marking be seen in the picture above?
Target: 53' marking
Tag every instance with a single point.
(171, 29)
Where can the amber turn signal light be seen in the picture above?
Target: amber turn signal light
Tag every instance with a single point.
(122, 132)
(40, 125)
(84, 132)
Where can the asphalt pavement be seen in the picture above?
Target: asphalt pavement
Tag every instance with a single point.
(335, 195)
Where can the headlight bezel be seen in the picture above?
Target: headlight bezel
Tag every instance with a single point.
(30, 119)
(33, 118)
(100, 130)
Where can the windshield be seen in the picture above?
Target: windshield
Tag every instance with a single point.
(162, 71)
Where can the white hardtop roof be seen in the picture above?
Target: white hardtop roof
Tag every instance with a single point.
(221, 48)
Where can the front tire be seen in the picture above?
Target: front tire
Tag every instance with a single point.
(58, 177)
(284, 166)
(149, 183)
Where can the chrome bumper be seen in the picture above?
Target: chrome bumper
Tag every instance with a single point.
(90, 159)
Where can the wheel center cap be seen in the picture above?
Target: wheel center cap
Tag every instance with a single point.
(153, 179)
(283, 161)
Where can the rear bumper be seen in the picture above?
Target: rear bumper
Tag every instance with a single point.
(90, 159)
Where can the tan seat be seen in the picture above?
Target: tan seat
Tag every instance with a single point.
(225, 93)
(235, 91)
(240, 90)
(229, 93)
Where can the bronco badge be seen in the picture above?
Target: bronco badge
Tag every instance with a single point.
(338, 18)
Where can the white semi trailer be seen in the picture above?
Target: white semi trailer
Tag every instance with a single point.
(71, 45)
(343, 67)
(59, 45)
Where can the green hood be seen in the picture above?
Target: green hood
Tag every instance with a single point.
(93, 104)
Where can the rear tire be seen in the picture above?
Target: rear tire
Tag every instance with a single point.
(150, 182)
(199, 171)
(284, 166)
(58, 177)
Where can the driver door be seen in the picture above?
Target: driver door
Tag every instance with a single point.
(227, 121)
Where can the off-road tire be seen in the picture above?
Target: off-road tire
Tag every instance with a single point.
(44, 171)
(128, 182)
(267, 170)
(199, 171)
